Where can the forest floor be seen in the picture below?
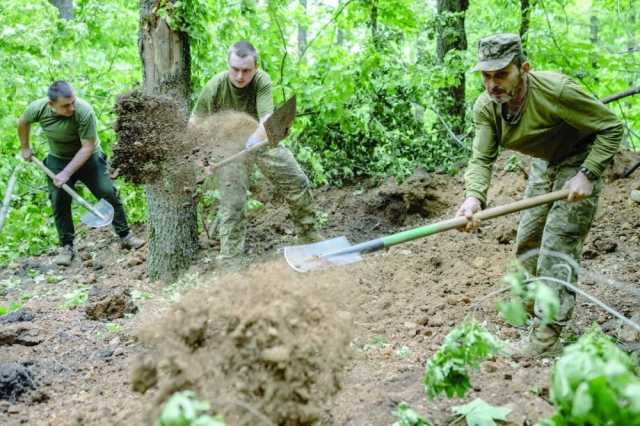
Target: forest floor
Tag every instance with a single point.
(380, 319)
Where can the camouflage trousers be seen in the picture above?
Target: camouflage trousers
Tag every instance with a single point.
(281, 168)
(558, 227)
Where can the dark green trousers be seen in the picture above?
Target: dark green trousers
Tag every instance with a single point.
(94, 175)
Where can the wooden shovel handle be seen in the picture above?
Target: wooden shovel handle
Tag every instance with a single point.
(68, 189)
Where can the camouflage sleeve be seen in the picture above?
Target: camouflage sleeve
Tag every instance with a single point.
(204, 104)
(485, 150)
(264, 98)
(589, 115)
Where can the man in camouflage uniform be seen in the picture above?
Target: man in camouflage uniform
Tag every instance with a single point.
(245, 88)
(571, 135)
(69, 123)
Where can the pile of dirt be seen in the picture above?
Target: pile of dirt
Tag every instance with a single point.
(265, 344)
(155, 140)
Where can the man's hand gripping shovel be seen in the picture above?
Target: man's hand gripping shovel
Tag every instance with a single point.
(98, 216)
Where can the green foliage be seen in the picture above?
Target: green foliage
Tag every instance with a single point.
(407, 416)
(13, 306)
(97, 53)
(465, 347)
(524, 292)
(183, 409)
(594, 383)
(479, 413)
(76, 298)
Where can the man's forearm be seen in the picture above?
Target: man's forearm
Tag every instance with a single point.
(79, 159)
(23, 134)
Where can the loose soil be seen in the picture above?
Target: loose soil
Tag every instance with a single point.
(343, 345)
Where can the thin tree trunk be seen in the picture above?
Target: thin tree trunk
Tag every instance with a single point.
(373, 24)
(65, 8)
(302, 32)
(525, 19)
(7, 197)
(452, 36)
(172, 219)
(340, 34)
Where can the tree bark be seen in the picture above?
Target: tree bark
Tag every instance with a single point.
(302, 32)
(172, 219)
(452, 36)
(65, 8)
(373, 24)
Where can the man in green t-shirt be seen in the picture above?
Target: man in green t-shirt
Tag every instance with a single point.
(69, 124)
(245, 88)
(570, 135)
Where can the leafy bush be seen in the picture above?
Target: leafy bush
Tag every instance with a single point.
(594, 383)
(184, 409)
(465, 347)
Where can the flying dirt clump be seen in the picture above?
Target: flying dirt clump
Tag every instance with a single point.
(265, 344)
(155, 139)
(151, 133)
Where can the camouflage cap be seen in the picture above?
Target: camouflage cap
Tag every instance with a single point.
(497, 51)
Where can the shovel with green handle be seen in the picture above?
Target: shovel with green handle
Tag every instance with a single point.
(339, 251)
(98, 216)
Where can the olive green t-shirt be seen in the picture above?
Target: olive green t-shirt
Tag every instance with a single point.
(219, 94)
(64, 134)
(558, 119)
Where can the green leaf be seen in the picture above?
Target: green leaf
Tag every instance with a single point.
(479, 413)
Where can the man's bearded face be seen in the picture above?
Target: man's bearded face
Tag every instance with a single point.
(503, 85)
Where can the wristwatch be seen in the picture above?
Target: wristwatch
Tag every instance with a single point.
(588, 173)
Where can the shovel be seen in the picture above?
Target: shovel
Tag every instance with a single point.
(277, 127)
(98, 216)
(339, 251)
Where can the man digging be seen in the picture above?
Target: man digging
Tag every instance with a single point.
(69, 124)
(572, 137)
(245, 88)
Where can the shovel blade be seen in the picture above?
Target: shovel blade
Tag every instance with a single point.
(310, 257)
(105, 209)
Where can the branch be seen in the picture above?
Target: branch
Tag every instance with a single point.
(629, 92)
(7, 197)
(333, 18)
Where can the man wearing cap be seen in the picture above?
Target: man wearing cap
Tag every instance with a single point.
(69, 124)
(570, 135)
(245, 88)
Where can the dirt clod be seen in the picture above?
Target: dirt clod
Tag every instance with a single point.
(20, 315)
(15, 379)
(109, 303)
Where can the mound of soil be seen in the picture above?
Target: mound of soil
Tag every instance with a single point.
(266, 344)
(15, 379)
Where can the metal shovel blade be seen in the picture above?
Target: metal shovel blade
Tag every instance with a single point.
(93, 221)
(309, 257)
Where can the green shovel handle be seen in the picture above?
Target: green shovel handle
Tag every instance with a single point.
(457, 222)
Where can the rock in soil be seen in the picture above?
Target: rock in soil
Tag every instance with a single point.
(109, 303)
(15, 379)
(21, 315)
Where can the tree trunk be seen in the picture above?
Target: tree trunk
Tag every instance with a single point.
(525, 18)
(172, 219)
(302, 32)
(452, 36)
(340, 34)
(65, 8)
(373, 24)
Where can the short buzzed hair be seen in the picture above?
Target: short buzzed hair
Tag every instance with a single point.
(59, 89)
(243, 49)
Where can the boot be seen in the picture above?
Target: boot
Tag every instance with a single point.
(544, 341)
(65, 255)
(131, 242)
